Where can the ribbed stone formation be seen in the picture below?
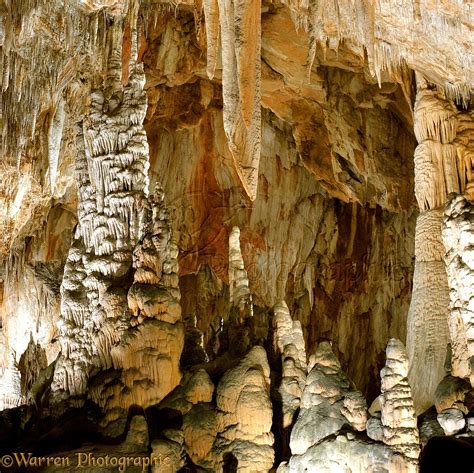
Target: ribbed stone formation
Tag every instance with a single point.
(329, 402)
(289, 344)
(399, 421)
(221, 220)
(325, 436)
(458, 237)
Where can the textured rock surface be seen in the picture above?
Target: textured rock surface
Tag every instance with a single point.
(398, 413)
(451, 392)
(245, 415)
(171, 172)
(341, 454)
(451, 420)
(317, 442)
(436, 175)
(289, 344)
(458, 237)
(329, 402)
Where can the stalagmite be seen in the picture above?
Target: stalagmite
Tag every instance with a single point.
(329, 402)
(240, 327)
(458, 237)
(120, 229)
(194, 352)
(399, 420)
(326, 445)
(245, 416)
(289, 344)
(240, 296)
(241, 42)
(133, 139)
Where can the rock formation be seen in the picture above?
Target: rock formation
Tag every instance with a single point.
(197, 195)
(289, 345)
(325, 436)
(399, 421)
(328, 402)
(435, 176)
(458, 234)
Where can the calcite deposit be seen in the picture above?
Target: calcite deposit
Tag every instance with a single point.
(237, 235)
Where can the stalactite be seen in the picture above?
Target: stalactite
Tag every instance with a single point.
(30, 43)
(54, 142)
(369, 27)
(211, 15)
(241, 43)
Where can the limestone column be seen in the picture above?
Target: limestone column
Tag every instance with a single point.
(436, 175)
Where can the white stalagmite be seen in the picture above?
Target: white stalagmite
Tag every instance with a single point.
(240, 26)
(245, 415)
(458, 237)
(240, 296)
(149, 351)
(329, 402)
(399, 419)
(289, 343)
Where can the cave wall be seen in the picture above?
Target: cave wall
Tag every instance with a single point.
(308, 155)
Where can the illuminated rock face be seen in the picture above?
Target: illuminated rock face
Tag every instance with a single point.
(289, 345)
(458, 235)
(325, 436)
(194, 197)
(399, 421)
(328, 401)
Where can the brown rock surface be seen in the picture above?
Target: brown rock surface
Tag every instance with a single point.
(171, 172)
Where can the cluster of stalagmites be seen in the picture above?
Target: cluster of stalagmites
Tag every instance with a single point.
(121, 332)
(230, 426)
(328, 434)
(225, 421)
